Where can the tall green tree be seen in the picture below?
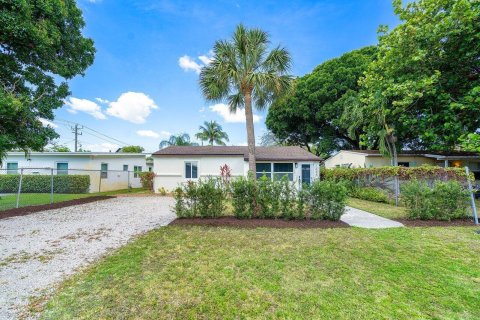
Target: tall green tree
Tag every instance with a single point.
(41, 42)
(212, 132)
(246, 74)
(424, 88)
(182, 139)
(316, 113)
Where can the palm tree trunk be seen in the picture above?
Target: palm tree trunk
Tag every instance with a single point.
(250, 132)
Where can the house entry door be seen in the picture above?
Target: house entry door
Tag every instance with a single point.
(305, 174)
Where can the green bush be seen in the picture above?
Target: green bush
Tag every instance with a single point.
(244, 197)
(369, 193)
(42, 183)
(146, 178)
(327, 200)
(205, 198)
(444, 201)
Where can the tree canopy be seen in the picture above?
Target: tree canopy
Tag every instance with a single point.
(40, 43)
(132, 149)
(212, 132)
(245, 73)
(313, 113)
(423, 91)
(182, 139)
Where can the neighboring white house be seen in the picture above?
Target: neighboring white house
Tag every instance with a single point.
(108, 171)
(373, 158)
(175, 165)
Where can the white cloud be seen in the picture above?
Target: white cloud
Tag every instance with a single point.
(165, 133)
(105, 101)
(187, 64)
(101, 147)
(243, 144)
(148, 134)
(46, 123)
(205, 59)
(132, 106)
(224, 111)
(84, 105)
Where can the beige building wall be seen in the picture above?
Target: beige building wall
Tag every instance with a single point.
(346, 159)
(376, 161)
(357, 160)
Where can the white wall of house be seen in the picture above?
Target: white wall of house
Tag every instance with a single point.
(83, 163)
(170, 171)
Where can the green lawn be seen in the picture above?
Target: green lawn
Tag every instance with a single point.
(382, 209)
(31, 199)
(226, 273)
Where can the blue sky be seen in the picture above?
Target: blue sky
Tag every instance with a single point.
(143, 84)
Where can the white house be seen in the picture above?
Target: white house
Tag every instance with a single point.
(108, 171)
(175, 165)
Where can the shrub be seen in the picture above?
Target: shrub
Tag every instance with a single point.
(205, 198)
(267, 202)
(369, 193)
(162, 191)
(146, 178)
(42, 183)
(327, 200)
(287, 198)
(244, 197)
(445, 201)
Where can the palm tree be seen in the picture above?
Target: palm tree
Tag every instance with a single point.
(213, 133)
(182, 139)
(244, 73)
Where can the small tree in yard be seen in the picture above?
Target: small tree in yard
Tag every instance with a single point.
(146, 178)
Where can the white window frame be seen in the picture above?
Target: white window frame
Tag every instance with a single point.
(284, 173)
(12, 171)
(191, 169)
(136, 171)
(103, 174)
(62, 170)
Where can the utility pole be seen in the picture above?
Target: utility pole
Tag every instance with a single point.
(77, 132)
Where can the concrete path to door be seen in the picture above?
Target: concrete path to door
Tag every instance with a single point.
(364, 219)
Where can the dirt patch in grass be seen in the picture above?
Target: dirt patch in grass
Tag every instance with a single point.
(22, 211)
(259, 223)
(437, 223)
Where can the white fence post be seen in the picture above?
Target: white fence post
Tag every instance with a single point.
(472, 197)
(19, 187)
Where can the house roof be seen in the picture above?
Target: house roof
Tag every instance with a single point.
(290, 153)
(423, 153)
(77, 154)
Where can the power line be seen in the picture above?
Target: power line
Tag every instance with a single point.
(97, 135)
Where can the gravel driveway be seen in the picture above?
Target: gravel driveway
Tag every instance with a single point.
(39, 250)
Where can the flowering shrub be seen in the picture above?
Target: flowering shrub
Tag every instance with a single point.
(146, 178)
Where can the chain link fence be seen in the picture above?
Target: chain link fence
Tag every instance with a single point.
(21, 187)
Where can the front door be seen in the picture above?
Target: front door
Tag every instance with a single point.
(305, 174)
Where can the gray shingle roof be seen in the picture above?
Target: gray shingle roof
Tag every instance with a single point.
(292, 153)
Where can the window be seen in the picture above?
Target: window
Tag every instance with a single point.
(12, 167)
(283, 169)
(264, 169)
(191, 170)
(125, 167)
(404, 164)
(62, 167)
(136, 170)
(104, 171)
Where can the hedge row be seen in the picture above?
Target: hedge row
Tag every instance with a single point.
(261, 198)
(42, 183)
(423, 172)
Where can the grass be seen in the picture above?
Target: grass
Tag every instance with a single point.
(32, 199)
(227, 273)
(382, 209)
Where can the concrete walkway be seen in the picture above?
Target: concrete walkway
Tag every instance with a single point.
(364, 219)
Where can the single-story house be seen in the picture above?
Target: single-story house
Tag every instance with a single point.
(175, 165)
(373, 158)
(107, 170)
